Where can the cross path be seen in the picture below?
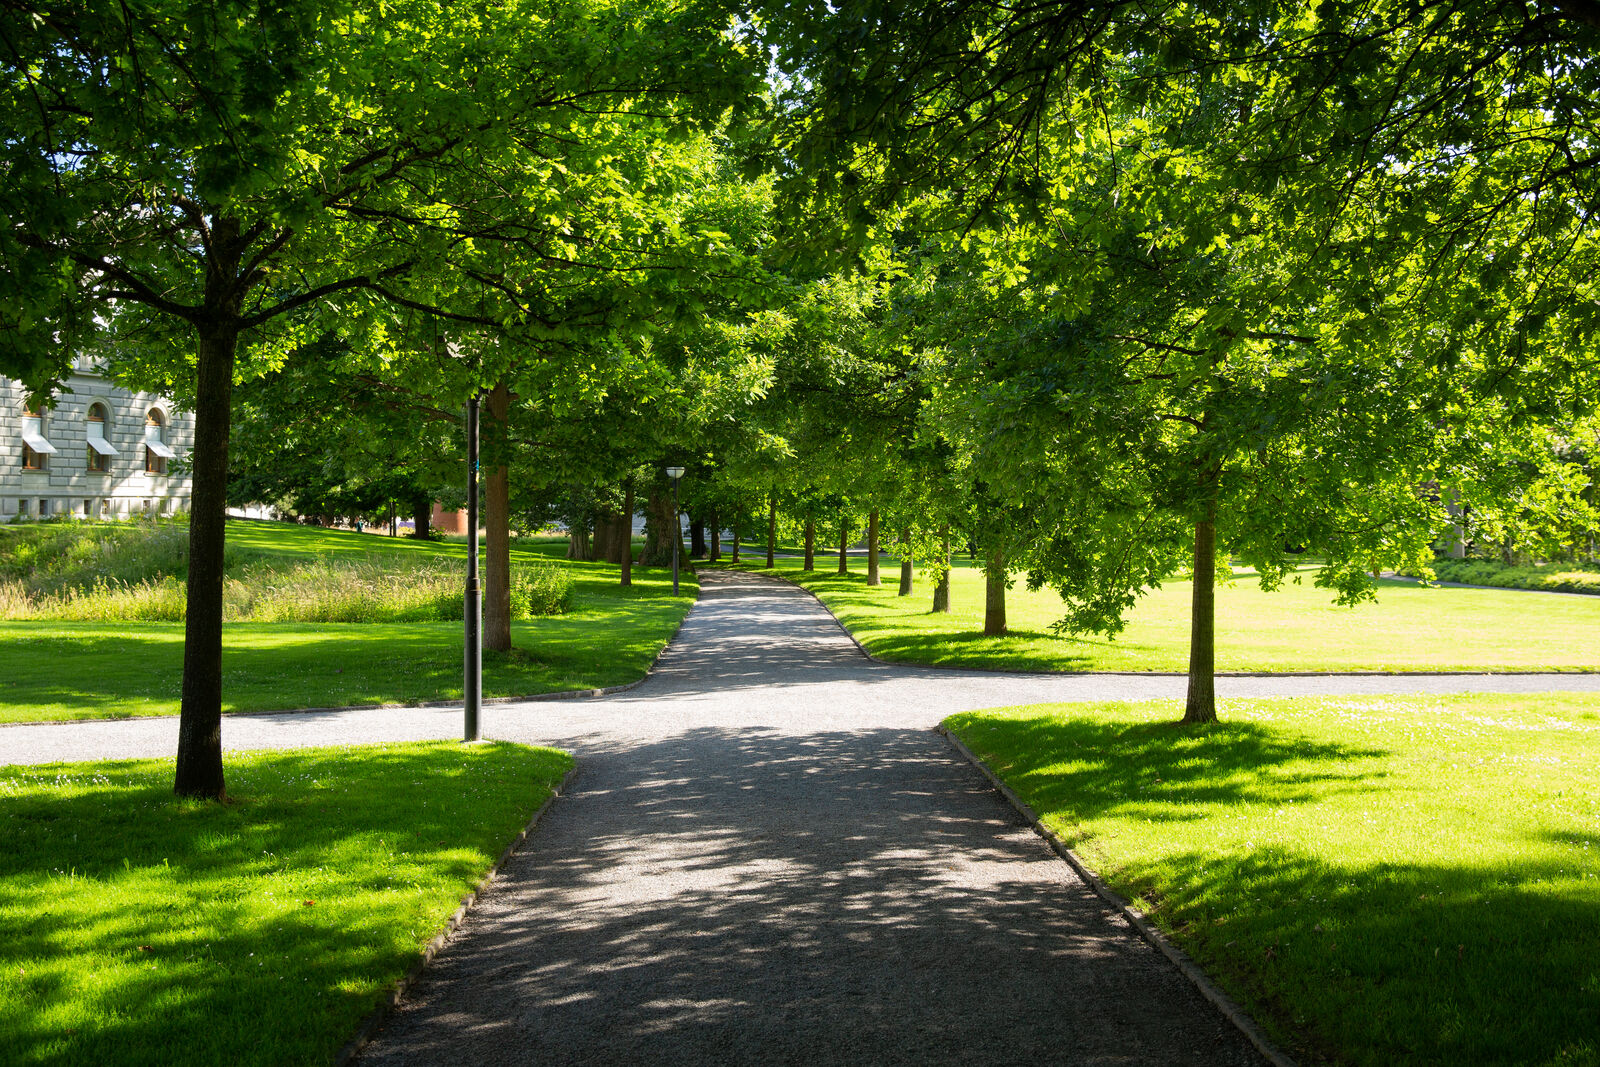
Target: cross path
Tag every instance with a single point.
(769, 856)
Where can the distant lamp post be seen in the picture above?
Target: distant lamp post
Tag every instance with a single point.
(675, 473)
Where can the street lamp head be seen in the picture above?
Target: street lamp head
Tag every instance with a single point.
(674, 473)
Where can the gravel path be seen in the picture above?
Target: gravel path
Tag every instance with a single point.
(769, 856)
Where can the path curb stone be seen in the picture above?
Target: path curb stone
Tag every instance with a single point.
(1223, 1003)
(375, 1019)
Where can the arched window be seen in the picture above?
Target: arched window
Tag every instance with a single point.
(99, 449)
(34, 446)
(156, 452)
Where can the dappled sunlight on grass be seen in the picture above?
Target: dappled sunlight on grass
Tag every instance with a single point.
(1400, 879)
(138, 928)
(1297, 628)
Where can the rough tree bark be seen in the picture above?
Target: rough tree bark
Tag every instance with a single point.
(811, 544)
(497, 523)
(659, 523)
(994, 595)
(421, 517)
(735, 533)
(941, 591)
(772, 530)
(627, 544)
(613, 535)
(697, 536)
(716, 538)
(1201, 704)
(578, 542)
(844, 546)
(873, 577)
(199, 765)
(905, 562)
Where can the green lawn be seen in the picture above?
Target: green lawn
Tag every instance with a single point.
(139, 928)
(1377, 880)
(1298, 628)
(70, 670)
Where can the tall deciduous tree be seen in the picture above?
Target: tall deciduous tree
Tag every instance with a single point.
(236, 171)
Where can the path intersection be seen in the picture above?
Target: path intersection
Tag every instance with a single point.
(768, 855)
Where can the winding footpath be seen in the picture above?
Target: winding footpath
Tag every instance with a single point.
(768, 855)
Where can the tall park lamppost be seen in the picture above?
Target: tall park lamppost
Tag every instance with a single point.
(675, 473)
(472, 680)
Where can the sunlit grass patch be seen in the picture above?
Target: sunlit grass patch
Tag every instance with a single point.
(1379, 880)
(607, 635)
(138, 928)
(1297, 628)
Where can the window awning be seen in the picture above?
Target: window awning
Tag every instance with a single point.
(101, 445)
(158, 447)
(34, 440)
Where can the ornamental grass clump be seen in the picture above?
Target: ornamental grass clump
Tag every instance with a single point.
(383, 590)
(339, 591)
(104, 600)
(57, 556)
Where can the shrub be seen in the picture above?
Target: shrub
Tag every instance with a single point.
(540, 589)
(1550, 577)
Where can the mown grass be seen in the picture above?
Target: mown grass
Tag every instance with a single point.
(139, 928)
(1378, 880)
(609, 636)
(1297, 628)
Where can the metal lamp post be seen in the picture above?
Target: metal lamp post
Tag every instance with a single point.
(472, 683)
(675, 473)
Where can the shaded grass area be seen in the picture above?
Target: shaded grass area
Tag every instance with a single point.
(139, 928)
(609, 636)
(1378, 880)
(1297, 628)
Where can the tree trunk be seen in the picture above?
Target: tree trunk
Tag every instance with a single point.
(199, 769)
(697, 536)
(844, 546)
(872, 548)
(660, 527)
(716, 538)
(613, 537)
(578, 542)
(627, 540)
(994, 595)
(905, 562)
(421, 517)
(735, 532)
(1201, 705)
(811, 544)
(941, 592)
(772, 530)
(497, 524)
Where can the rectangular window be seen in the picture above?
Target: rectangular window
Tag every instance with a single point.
(34, 447)
(154, 463)
(99, 450)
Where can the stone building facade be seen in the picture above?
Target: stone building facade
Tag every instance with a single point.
(102, 451)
